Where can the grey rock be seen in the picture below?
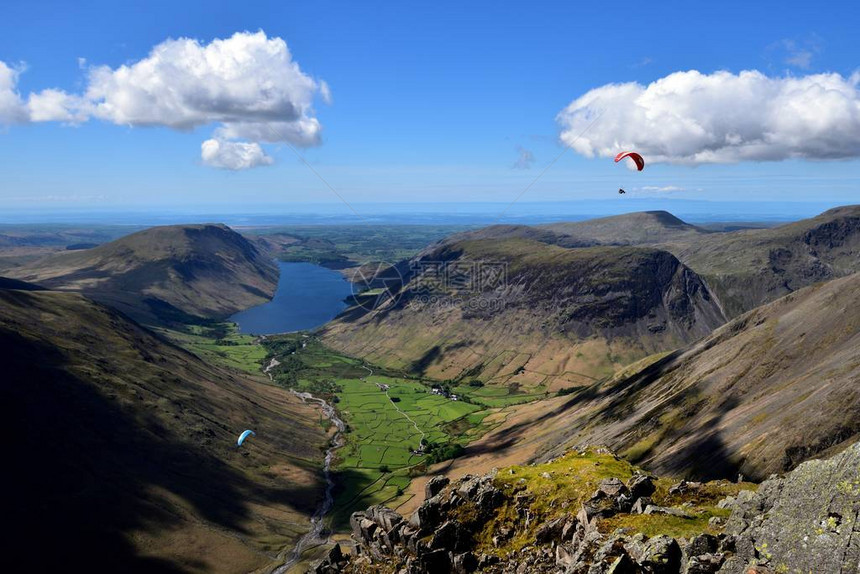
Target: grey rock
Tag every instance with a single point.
(662, 555)
(704, 564)
(641, 485)
(451, 536)
(611, 487)
(435, 485)
(551, 531)
(702, 544)
(429, 514)
(641, 504)
(332, 563)
(806, 521)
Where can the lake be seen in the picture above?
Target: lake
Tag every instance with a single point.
(308, 296)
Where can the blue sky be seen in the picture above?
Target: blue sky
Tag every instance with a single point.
(431, 102)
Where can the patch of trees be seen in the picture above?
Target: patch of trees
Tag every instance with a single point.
(439, 452)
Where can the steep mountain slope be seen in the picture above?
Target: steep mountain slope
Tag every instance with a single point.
(748, 268)
(763, 393)
(745, 268)
(523, 313)
(166, 273)
(121, 448)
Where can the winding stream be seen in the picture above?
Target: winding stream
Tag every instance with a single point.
(314, 535)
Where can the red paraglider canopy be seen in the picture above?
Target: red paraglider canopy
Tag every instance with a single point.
(640, 163)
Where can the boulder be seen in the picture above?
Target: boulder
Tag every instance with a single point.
(702, 544)
(661, 555)
(611, 487)
(355, 522)
(429, 514)
(704, 564)
(451, 536)
(551, 531)
(332, 563)
(435, 485)
(384, 517)
(641, 485)
(641, 504)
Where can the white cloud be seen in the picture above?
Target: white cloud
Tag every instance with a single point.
(248, 85)
(233, 155)
(525, 160)
(662, 189)
(12, 109)
(247, 81)
(694, 118)
(56, 106)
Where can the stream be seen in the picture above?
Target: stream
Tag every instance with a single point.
(314, 535)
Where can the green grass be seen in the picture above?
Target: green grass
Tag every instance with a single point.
(497, 396)
(382, 433)
(348, 245)
(233, 349)
(561, 486)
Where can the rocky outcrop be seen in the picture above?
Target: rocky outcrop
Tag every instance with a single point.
(806, 521)
(803, 522)
(440, 536)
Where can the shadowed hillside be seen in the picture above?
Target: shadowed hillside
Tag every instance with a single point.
(751, 267)
(165, 274)
(763, 393)
(557, 317)
(122, 448)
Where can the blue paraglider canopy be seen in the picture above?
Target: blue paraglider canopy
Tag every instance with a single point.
(245, 435)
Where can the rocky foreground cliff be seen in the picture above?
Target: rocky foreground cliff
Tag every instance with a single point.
(590, 512)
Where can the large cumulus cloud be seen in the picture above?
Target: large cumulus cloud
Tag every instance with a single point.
(693, 118)
(247, 85)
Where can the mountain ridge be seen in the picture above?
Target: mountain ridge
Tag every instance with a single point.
(594, 302)
(164, 274)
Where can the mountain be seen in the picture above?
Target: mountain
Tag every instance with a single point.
(525, 314)
(750, 267)
(642, 228)
(121, 448)
(744, 268)
(164, 274)
(770, 389)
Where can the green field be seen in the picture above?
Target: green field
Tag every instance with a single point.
(221, 343)
(388, 415)
(385, 426)
(349, 245)
(497, 396)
